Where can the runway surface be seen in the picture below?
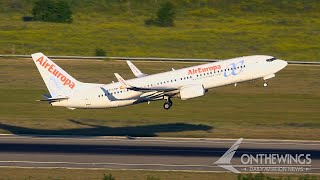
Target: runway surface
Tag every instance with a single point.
(143, 153)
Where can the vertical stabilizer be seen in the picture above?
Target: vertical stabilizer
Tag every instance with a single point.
(58, 82)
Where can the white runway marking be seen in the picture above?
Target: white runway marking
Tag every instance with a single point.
(168, 140)
(113, 164)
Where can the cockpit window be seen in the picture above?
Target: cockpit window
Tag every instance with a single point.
(271, 59)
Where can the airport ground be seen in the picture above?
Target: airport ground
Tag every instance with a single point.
(84, 174)
(80, 157)
(287, 109)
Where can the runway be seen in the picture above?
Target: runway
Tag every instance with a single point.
(142, 153)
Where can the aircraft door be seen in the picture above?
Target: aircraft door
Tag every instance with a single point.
(87, 101)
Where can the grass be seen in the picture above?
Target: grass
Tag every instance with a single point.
(57, 174)
(287, 109)
(210, 29)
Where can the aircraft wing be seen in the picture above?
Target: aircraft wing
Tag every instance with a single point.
(151, 89)
(135, 70)
(126, 85)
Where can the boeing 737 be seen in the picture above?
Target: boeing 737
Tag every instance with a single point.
(186, 83)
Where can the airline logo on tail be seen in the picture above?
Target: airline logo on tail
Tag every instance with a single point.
(54, 71)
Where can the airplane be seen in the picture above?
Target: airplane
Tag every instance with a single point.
(186, 83)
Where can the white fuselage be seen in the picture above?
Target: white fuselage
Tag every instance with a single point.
(210, 75)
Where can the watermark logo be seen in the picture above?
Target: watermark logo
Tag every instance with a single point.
(264, 162)
(225, 160)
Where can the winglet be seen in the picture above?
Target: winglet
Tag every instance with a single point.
(122, 81)
(135, 70)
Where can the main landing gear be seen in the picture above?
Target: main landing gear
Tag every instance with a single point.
(167, 105)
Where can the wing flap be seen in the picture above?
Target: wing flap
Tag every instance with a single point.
(126, 85)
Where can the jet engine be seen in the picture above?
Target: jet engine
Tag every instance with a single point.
(192, 91)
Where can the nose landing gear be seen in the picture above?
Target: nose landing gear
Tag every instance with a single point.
(167, 105)
(265, 84)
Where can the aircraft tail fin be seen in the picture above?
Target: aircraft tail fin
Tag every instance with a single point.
(58, 82)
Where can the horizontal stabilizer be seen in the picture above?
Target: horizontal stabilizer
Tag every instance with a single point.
(52, 99)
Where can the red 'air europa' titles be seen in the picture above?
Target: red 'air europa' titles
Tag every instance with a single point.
(52, 69)
(203, 69)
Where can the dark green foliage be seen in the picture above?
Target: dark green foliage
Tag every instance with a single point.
(108, 177)
(261, 176)
(100, 52)
(308, 177)
(152, 178)
(165, 16)
(27, 18)
(52, 11)
(149, 22)
(288, 29)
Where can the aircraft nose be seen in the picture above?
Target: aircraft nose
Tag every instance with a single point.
(281, 64)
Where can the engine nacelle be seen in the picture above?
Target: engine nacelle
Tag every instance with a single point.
(191, 91)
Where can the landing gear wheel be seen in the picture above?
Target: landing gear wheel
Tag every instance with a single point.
(167, 105)
(265, 84)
